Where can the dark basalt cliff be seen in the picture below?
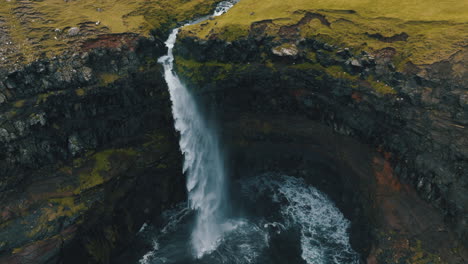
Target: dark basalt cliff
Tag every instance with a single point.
(413, 118)
(89, 152)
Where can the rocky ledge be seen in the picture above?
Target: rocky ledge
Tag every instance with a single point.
(88, 148)
(390, 76)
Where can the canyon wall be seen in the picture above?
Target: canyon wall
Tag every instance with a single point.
(89, 152)
(265, 70)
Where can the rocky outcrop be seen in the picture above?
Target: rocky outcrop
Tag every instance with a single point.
(89, 153)
(413, 114)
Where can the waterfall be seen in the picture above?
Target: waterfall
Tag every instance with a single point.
(203, 162)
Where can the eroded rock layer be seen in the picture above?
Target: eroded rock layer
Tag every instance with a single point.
(363, 71)
(88, 148)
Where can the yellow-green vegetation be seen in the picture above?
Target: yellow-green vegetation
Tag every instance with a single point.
(339, 73)
(381, 87)
(308, 66)
(108, 78)
(420, 256)
(197, 71)
(232, 32)
(80, 92)
(19, 103)
(58, 207)
(436, 29)
(42, 98)
(32, 28)
(92, 170)
(96, 174)
(202, 72)
(66, 206)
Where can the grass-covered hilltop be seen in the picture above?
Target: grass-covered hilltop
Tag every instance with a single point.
(422, 31)
(30, 29)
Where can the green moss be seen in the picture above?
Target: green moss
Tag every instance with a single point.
(96, 175)
(308, 66)
(108, 78)
(19, 103)
(233, 32)
(57, 208)
(420, 256)
(11, 114)
(381, 87)
(311, 56)
(80, 92)
(67, 206)
(201, 72)
(42, 98)
(339, 73)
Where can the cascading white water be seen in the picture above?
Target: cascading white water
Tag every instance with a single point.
(203, 163)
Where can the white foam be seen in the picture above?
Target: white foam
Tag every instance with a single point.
(324, 229)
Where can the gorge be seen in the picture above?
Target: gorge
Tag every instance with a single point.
(310, 132)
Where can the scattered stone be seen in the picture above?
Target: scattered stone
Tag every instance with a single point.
(74, 31)
(5, 136)
(356, 63)
(74, 145)
(87, 73)
(37, 119)
(2, 98)
(20, 127)
(286, 51)
(10, 84)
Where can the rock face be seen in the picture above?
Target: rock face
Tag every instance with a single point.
(88, 156)
(408, 107)
(89, 153)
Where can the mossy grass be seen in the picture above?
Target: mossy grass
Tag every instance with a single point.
(200, 72)
(435, 29)
(96, 174)
(40, 27)
(108, 78)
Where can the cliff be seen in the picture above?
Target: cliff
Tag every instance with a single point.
(389, 74)
(89, 153)
(373, 91)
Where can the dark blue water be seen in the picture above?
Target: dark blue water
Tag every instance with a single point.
(283, 221)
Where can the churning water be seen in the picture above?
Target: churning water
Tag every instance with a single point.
(285, 220)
